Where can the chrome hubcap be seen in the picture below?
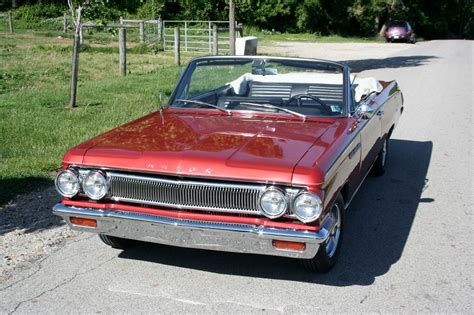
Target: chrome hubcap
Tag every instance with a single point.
(335, 232)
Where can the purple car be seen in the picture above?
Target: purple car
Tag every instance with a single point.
(400, 31)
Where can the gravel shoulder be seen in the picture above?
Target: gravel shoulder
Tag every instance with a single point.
(29, 231)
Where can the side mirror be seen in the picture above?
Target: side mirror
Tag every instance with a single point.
(367, 110)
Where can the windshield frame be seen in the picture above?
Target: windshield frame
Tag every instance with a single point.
(227, 60)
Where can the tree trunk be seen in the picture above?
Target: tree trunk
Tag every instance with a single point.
(75, 60)
(15, 3)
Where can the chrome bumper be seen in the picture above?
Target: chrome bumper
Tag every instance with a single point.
(239, 238)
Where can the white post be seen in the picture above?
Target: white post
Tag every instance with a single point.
(186, 36)
(210, 36)
(177, 53)
(231, 27)
(142, 31)
(215, 41)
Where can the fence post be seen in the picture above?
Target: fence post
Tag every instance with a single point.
(142, 32)
(185, 36)
(121, 20)
(65, 23)
(81, 35)
(215, 41)
(209, 33)
(122, 51)
(177, 57)
(160, 30)
(10, 22)
(231, 27)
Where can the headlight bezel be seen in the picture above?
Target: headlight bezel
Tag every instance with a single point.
(285, 198)
(75, 174)
(106, 182)
(307, 219)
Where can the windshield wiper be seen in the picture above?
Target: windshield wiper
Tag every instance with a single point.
(228, 112)
(277, 108)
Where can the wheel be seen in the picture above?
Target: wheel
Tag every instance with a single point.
(328, 252)
(116, 242)
(379, 165)
(413, 41)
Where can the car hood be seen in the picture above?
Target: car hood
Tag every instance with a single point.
(234, 147)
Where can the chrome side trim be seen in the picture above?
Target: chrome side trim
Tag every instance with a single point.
(354, 151)
(357, 189)
(240, 238)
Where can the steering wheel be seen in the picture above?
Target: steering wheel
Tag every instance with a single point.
(299, 97)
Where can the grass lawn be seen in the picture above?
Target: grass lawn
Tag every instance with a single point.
(36, 128)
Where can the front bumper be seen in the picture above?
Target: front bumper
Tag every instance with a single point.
(239, 238)
(397, 37)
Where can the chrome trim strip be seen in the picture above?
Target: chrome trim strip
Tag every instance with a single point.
(185, 182)
(354, 151)
(357, 189)
(240, 238)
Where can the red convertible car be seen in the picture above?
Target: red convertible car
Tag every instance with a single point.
(256, 155)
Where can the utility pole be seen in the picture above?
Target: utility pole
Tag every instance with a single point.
(231, 27)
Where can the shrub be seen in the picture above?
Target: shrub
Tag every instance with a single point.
(32, 14)
(151, 9)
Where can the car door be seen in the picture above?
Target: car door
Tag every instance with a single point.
(370, 123)
(388, 101)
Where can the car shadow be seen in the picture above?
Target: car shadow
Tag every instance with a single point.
(391, 62)
(378, 224)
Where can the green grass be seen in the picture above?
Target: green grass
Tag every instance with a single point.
(36, 128)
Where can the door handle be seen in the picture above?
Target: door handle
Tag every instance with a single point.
(380, 113)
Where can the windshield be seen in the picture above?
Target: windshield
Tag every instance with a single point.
(398, 24)
(288, 86)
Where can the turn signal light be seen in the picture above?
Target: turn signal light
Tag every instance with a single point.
(285, 245)
(83, 222)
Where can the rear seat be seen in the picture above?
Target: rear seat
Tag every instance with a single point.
(264, 89)
(329, 93)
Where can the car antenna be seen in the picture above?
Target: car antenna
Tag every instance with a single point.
(161, 103)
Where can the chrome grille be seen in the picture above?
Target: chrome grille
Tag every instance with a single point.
(185, 194)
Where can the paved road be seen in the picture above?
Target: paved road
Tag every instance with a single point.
(408, 246)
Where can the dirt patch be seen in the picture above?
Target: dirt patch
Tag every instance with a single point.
(29, 231)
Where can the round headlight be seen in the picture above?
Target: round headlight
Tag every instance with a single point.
(95, 185)
(273, 202)
(67, 183)
(307, 207)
